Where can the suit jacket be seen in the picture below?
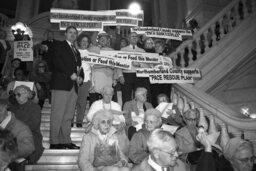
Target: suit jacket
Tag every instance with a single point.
(64, 63)
(144, 166)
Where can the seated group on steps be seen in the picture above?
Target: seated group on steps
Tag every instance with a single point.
(138, 137)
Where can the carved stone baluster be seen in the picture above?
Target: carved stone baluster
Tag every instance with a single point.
(198, 48)
(238, 19)
(190, 55)
(206, 43)
(192, 105)
(244, 8)
(182, 60)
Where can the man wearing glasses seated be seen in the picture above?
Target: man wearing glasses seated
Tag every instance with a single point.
(163, 153)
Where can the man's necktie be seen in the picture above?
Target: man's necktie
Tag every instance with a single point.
(133, 47)
(74, 51)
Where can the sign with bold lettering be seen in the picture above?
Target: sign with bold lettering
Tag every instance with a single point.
(82, 26)
(153, 58)
(23, 50)
(89, 20)
(161, 76)
(160, 32)
(100, 59)
(58, 15)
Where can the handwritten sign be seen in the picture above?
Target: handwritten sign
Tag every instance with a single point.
(23, 50)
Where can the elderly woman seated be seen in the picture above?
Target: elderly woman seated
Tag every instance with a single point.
(29, 113)
(138, 150)
(186, 136)
(134, 111)
(100, 147)
(240, 154)
(119, 120)
(8, 148)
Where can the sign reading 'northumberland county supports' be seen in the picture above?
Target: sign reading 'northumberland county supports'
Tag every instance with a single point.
(161, 76)
(93, 58)
(160, 32)
(23, 50)
(153, 58)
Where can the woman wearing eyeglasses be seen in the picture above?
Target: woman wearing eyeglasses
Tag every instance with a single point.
(100, 147)
(186, 136)
(138, 150)
(240, 154)
(41, 76)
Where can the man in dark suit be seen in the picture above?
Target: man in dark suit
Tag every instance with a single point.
(66, 77)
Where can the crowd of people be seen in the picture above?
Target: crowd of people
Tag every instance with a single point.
(118, 136)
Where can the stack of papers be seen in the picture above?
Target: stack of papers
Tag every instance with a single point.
(164, 108)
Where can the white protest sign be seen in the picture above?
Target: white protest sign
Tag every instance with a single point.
(82, 26)
(23, 50)
(58, 15)
(163, 108)
(94, 58)
(170, 78)
(159, 32)
(153, 58)
(171, 75)
(29, 84)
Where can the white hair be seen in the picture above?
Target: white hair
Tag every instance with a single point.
(158, 138)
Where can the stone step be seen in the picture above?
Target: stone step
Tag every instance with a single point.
(63, 167)
(75, 140)
(50, 156)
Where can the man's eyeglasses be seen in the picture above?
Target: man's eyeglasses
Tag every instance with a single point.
(172, 153)
(247, 159)
(41, 66)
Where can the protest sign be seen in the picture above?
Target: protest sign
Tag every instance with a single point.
(29, 84)
(58, 15)
(159, 32)
(93, 58)
(82, 26)
(23, 50)
(161, 76)
(170, 78)
(141, 57)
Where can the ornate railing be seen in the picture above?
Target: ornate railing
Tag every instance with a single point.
(186, 96)
(215, 30)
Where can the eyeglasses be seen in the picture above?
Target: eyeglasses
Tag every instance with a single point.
(106, 122)
(41, 66)
(18, 94)
(172, 153)
(247, 159)
(192, 119)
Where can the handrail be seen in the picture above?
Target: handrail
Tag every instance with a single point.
(223, 23)
(215, 107)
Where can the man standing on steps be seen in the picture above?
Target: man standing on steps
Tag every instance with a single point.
(67, 75)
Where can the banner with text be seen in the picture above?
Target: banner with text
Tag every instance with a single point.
(161, 76)
(87, 20)
(58, 15)
(159, 32)
(82, 26)
(23, 50)
(153, 58)
(94, 58)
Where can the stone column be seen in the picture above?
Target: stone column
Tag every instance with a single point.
(100, 5)
(25, 10)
